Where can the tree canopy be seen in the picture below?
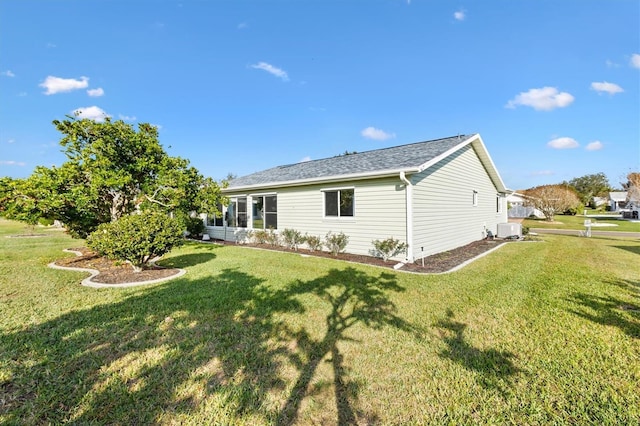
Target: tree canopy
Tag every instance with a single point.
(552, 199)
(589, 186)
(111, 170)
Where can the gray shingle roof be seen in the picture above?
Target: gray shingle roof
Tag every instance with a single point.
(368, 162)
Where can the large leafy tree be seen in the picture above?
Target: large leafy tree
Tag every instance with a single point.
(589, 186)
(552, 199)
(111, 170)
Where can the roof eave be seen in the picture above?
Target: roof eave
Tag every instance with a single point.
(320, 180)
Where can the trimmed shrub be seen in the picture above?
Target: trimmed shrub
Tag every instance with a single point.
(195, 226)
(264, 236)
(137, 238)
(336, 243)
(314, 243)
(388, 248)
(292, 238)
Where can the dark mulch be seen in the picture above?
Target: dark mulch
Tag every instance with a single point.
(437, 263)
(112, 272)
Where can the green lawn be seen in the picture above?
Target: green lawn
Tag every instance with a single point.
(577, 222)
(534, 333)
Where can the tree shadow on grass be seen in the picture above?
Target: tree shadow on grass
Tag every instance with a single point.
(495, 368)
(166, 351)
(632, 249)
(353, 297)
(610, 311)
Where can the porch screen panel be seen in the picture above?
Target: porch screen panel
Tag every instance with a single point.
(271, 212)
(242, 212)
(258, 213)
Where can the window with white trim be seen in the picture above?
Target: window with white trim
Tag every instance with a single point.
(498, 203)
(475, 198)
(339, 203)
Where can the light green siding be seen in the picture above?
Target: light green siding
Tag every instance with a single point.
(444, 216)
(379, 212)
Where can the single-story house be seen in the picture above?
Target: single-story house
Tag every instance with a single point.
(617, 200)
(434, 196)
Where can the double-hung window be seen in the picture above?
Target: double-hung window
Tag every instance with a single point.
(338, 203)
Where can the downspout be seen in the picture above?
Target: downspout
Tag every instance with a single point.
(409, 215)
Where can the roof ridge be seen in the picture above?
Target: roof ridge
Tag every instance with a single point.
(462, 137)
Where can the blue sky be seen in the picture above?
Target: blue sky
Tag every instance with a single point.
(553, 87)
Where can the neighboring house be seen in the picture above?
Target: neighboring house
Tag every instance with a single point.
(599, 201)
(435, 196)
(518, 207)
(617, 200)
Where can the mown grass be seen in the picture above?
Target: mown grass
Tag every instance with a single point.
(577, 222)
(534, 333)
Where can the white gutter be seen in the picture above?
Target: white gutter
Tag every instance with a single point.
(409, 214)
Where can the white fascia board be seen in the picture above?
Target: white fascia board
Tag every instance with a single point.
(320, 180)
(484, 156)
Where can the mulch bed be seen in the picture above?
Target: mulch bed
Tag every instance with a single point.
(437, 263)
(113, 272)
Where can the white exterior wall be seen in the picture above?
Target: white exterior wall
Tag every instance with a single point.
(379, 212)
(444, 216)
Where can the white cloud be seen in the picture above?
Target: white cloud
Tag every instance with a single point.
(305, 159)
(60, 85)
(271, 70)
(51, 45)
(594, 146)
(611, 64)
(635, 60)
(7, 73)
(95, 93)
(610, 88)
(543, 99)
(11, 141)
(460, 15)
(92, 113)
(376, 134)
(243, 25)
(126, 117)
(563, 143)
(12, 163)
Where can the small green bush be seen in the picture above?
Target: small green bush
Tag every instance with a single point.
(44, 221)
(388, 248)
(137, 238)
(525, 230)
(314, 243)
(292, 238)
(336, 243)
(195, 226)
(272, 237)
